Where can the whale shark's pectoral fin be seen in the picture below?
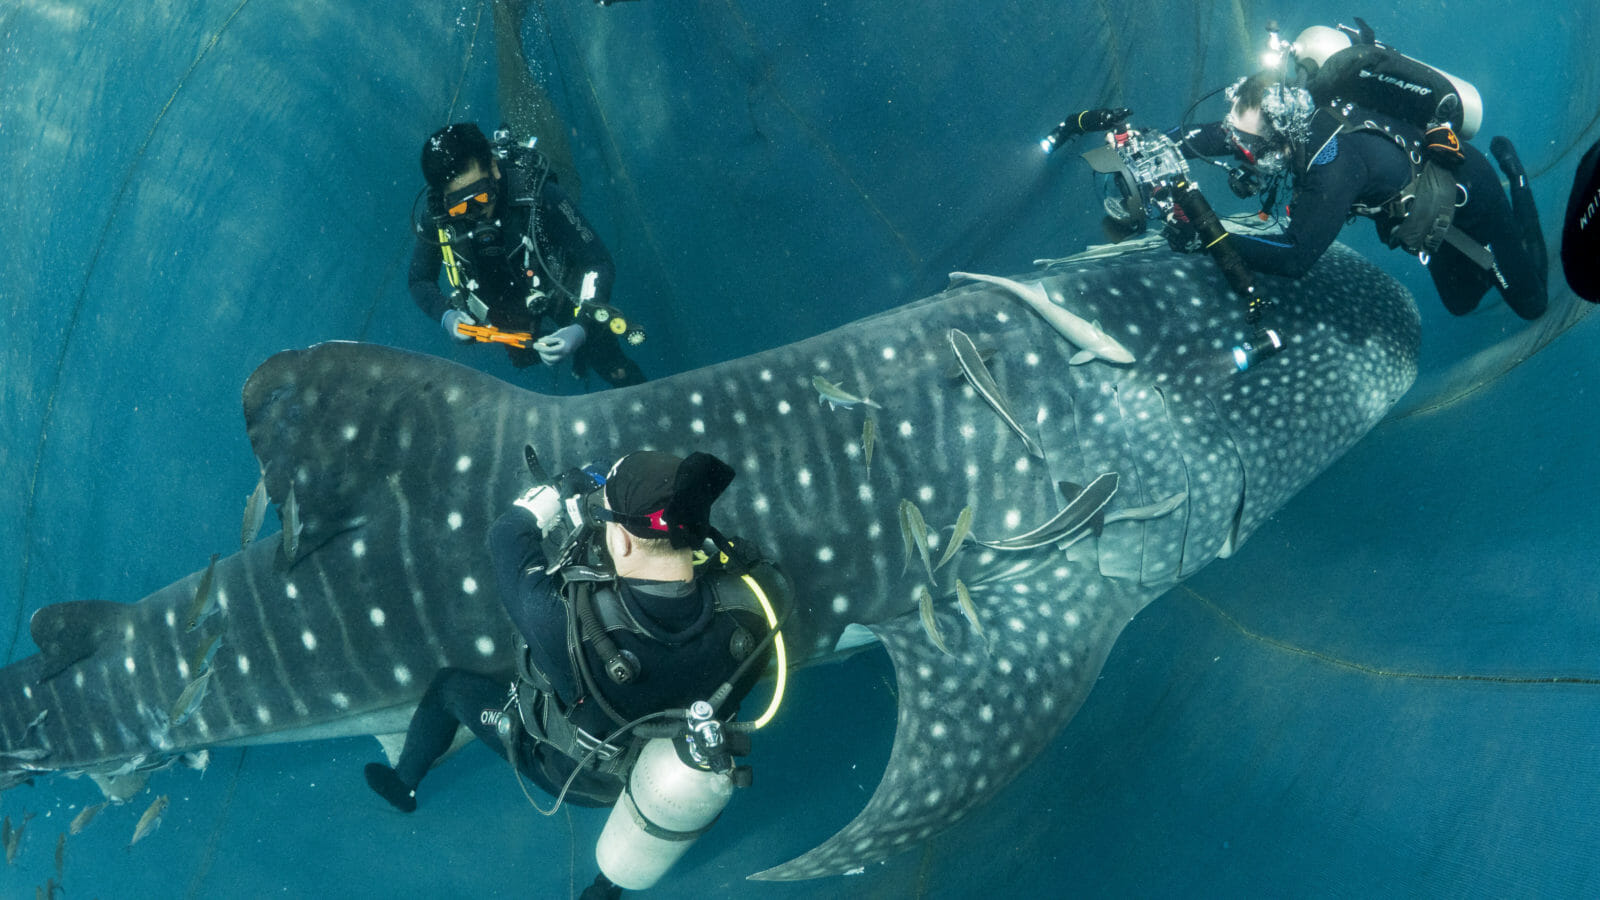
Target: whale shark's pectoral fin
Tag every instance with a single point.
(68, 632)
(969, 719)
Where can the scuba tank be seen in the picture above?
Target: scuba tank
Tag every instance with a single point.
(1384, 79)
(678, 788)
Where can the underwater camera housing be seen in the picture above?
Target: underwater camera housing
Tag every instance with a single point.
(1140, 169)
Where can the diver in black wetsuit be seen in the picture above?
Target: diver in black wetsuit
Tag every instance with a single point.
(519, 255)
(1340, 170)
(1580, 234)
(1344, 160)
(684, 630)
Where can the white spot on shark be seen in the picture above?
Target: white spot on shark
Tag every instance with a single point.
(888, 353)
(349, 433)
(340, 700)
(841, 603)
(485, 645)
(377, 616)
(766, 375)
(580, 428)
(783, 407)
(1013, 518)
(825, 554)
(864, 493)
(358, 548)
(739, 418)
(463, 463)
(290, 591)
(469, 585)
(696, 399)
(263, 715)
(402, 675)
(309, 639)
(804, 477)
(925, 493)
(762, 505)
(453, 520)
(905, 429)
(128, 663)
(697, 426)
(244, 664)
(172, 618)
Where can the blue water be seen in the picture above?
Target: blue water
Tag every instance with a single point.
(1351, 706)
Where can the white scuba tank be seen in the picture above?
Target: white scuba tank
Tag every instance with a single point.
(1319, 42)
(666, 806)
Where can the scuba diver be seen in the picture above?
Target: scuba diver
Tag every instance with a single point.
(518, 256)
(1373, 133)
(617, 624)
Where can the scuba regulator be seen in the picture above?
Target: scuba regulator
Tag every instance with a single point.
(1148, 178)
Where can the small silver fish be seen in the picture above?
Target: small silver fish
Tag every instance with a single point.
(289, 517)
(151, 820)
(964, 597)
(25, 754)
(905, 537)
(837, 397)
(962, 530)
(869, 436)
(929, 623)
(13, 837)
(201, 661)
(255, 513)
(189, 700)
(204, 602)
(85, 816)
(61, 852)
(978, 376)
(913, 524)
(37, 721)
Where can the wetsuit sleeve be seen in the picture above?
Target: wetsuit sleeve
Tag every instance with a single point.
(531, 596)
(1321, 204)
(1210, 139)
(426, 260)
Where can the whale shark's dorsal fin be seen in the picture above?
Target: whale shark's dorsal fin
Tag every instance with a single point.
(68, 632)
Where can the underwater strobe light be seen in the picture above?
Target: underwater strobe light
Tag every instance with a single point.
(1264, 343)
(1058, 134)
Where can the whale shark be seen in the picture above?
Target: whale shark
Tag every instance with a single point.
(397, 463)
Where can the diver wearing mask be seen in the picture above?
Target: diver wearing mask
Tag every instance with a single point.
(1426, 190)
(520, 259)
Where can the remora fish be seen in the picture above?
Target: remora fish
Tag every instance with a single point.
(837, 397)
(978, 376)
(289, 517)
(151, 820)
(1150, 511)
(204, 603)
(255, 513)
(962, 530)
(929, 623)
(1077, 515)
(1088, 335)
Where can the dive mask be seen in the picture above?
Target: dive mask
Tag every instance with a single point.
(471, 201)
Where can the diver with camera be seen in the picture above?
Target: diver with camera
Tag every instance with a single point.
(525, 268)
(1344, 126)
(633, 654)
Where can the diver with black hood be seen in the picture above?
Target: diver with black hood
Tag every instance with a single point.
(634, 652)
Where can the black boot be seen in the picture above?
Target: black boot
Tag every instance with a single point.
(388, 785)
(1522, 208)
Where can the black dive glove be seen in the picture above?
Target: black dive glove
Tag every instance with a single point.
(1180, 233)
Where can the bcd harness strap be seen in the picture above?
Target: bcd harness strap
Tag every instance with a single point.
(590, 615)
(1422, 213)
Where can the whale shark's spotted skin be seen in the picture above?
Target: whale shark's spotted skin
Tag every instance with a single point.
(399, 463)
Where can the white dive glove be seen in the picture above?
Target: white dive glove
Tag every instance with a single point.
(452, 318)
(560, 344)
(544, 501)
